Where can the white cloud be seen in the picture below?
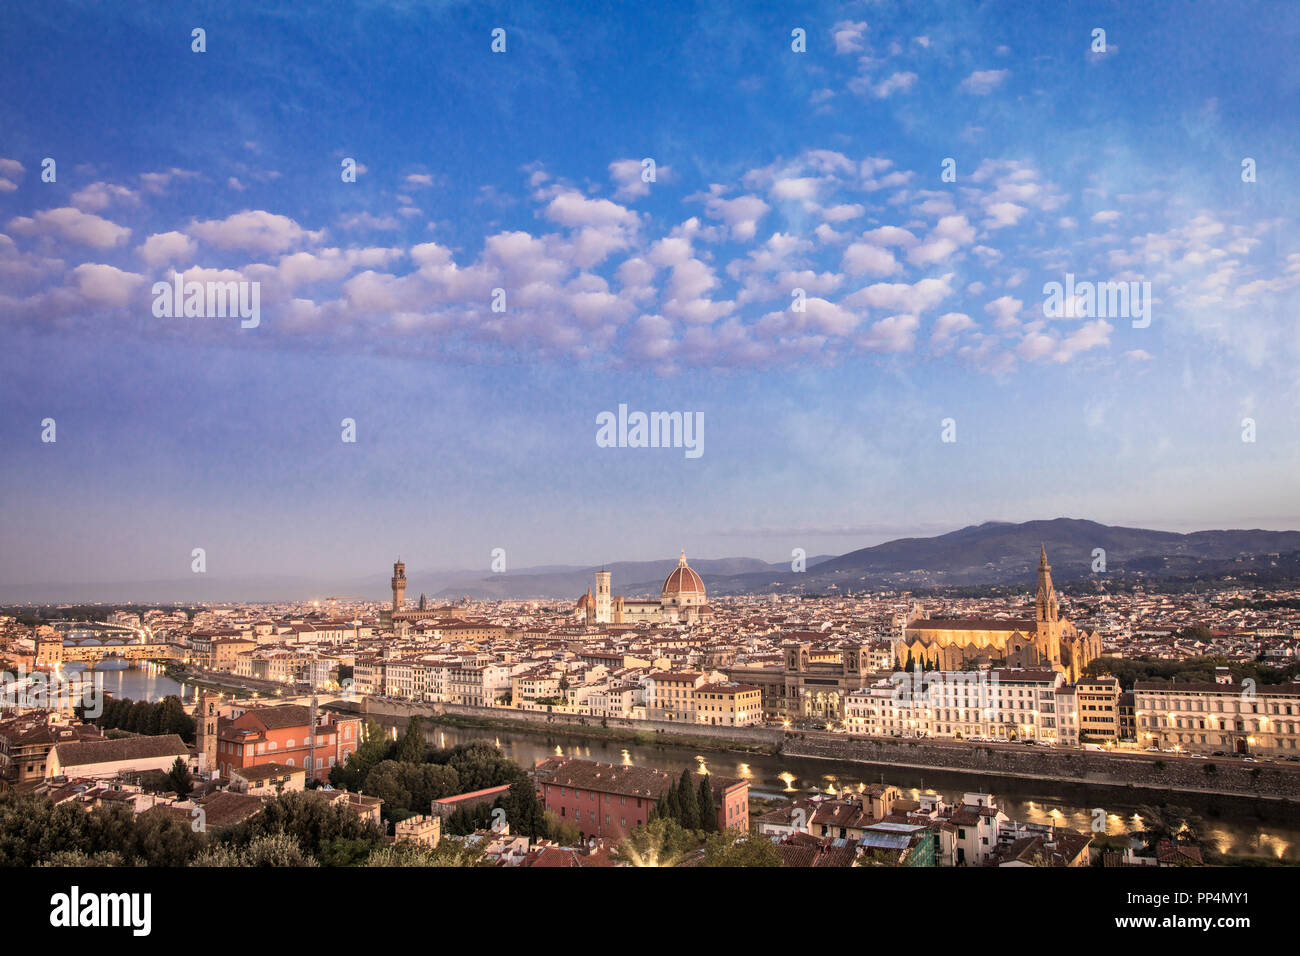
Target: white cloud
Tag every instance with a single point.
(912, 299)
(849, 36)
(163, 247)
(983, 82)
(98, 196)
(72, 224)
(865, 259)
(106, 284)
(628, 175)
(894, 83)
(740, 214)
(253, 230)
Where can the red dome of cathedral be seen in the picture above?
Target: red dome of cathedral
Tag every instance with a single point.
(683, 581)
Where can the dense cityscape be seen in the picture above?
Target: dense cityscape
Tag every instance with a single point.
(334, 699)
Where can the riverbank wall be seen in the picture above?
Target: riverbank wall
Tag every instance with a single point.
(1224, 777)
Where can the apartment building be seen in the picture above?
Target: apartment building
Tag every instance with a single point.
(1206, 717)
(1007, 704)
(1098, 708)
(729, 705)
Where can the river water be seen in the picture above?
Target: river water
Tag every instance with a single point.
(1241, 827)
(148, 681)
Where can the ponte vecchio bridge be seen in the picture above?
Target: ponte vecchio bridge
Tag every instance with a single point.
(91, 644)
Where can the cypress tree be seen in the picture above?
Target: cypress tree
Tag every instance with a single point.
(708, 810)
(690, 804)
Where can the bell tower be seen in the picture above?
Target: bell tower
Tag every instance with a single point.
(205, 727)
(399, 585)
(1045, 600)
(604, 601)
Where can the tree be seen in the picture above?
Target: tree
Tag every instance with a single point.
(178, 779)
(273, 849)
(727, 849)
(375, 748)
(688, 812)
(1175, 824)
(663, 842)
(80, 858)
(524, 811)
(562, 831)
(410, 786)
(162, 839)
(310, 818)
(411, 747)
(708, 810)
(446, 853)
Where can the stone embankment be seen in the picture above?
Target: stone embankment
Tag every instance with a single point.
(1218, 775)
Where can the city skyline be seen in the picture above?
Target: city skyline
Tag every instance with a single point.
(774, 170)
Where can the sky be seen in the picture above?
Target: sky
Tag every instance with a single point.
(920, 171)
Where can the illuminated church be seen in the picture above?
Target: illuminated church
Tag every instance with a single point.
(1048, 641)
(682, 600)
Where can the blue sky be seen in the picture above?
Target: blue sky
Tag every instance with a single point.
(775, 170)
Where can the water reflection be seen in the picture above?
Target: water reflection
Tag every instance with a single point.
(148, 681)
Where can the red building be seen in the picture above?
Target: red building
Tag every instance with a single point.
(266, 735)
(607, 800)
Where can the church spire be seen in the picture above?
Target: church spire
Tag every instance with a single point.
(1045, 600)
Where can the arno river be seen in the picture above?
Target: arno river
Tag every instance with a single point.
(1234, 826)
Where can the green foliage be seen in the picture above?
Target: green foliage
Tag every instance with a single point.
(167, 716)
(308, 817)
(481, 765)
(375, 749)
(661, 842)
(163, 839)
(446, 853)
(33, 830)
(708, 809)
(80, 858)
(1129, 670)
(272, 849)
(345, 852)
(524, 811)
(688, 806)
(411, 786)
(562, 831)
(178, 779)
(728, 849)
(411, 747)
(1176, 824)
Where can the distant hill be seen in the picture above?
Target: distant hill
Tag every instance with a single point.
(1002, 552)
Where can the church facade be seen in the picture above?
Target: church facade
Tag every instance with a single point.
(1047, 641)
(682, 600)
